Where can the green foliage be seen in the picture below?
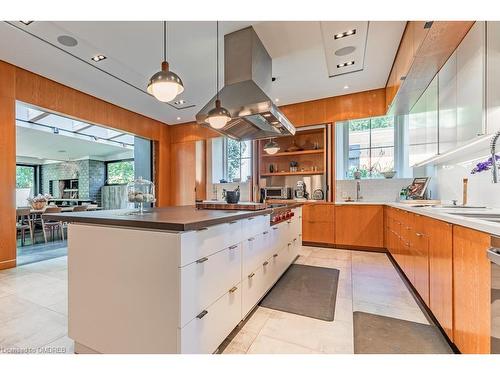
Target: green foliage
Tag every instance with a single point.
(376, 123)
(24, 177)
(121, 172)
(235, 151)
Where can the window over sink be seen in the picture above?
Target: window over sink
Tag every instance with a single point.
(231, 160)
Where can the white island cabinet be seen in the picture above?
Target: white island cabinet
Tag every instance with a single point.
(139, 290)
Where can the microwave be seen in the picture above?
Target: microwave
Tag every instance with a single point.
(277, 192)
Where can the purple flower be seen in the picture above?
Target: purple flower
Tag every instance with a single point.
(484, 165)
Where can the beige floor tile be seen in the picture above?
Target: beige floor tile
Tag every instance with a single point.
(32, 330)
(240, 342)
(269, 345)
(305, 251)
(406, 313)
(50, 265)
(343, 310)
(46, 295)
(62, 345)
(257, 319)
(60, 307)
(329, 263)
(315, 334)
(327, 253)
(12, 306)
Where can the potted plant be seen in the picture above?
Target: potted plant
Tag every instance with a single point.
(40, 201)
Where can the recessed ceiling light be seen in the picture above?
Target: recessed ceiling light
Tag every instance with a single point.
(98, 58)
(345, 64)
(27, 22)
(178, 118)
(344, 34)
(276, 100)
(180, 102)
(346, 87)
(67, 40)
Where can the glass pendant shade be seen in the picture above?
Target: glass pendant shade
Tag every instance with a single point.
(165, 85)
(271, 147)
(218, 117)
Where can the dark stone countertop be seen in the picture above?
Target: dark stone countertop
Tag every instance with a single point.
(174, 218)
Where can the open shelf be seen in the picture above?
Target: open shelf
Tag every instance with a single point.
(302, 152)
(304, 173)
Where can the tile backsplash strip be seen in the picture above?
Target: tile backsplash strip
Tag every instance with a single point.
(376, 190)
(244, 190)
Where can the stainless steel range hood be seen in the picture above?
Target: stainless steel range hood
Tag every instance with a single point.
(247, 78)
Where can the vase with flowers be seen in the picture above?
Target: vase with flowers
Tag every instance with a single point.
(485, 165)
(40, 201)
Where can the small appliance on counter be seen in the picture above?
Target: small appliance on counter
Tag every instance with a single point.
(301, 191)
(276, 192)
(231, 196)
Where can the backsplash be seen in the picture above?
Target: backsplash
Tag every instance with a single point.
(244, 190)
(376, 190)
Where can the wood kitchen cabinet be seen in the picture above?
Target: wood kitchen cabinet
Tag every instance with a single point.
(318, 223)
(359, 226)
(471, 291)
(439, 238)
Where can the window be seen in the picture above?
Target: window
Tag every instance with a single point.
(120, 171)
(231, 160)
(26, 177)
(367, 146)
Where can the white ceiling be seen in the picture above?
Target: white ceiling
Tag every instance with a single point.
(134, 52)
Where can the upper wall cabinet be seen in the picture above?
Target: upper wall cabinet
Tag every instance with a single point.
(448, 104)
(470, 84)
(493, 77)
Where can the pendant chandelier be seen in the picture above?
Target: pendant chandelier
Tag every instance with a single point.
(165, 85)
(219, 116)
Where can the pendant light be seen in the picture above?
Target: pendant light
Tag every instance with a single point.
(165, 85)
(271, 147)
(219, 116)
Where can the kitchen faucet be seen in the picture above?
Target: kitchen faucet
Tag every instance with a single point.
(494, 169)
(358, 191)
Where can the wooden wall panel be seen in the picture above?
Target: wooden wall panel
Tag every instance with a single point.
(20, 84)
(471, 291)
(7, 167)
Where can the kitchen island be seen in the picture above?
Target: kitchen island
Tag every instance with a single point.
(174, 280)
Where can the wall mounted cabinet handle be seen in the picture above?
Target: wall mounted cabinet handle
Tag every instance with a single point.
(233, 247)
(202, 260)
(233, 289)
(202, 314)
(251, 275)
(201, 229)
(275, 255)
(264, 233)
(265, 263)
(251, 239)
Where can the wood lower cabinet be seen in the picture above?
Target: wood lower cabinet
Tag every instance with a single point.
(359, 226)
(318, 223)
(439, 238)
(471, 291)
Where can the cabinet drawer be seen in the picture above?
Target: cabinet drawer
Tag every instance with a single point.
(205, 333)
(254, 285)
(255, 250)
(255, 225)
(205, 280)
(201, 243)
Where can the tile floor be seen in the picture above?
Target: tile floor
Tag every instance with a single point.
(33, 307)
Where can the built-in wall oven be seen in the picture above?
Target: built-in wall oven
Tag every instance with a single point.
(494, 257)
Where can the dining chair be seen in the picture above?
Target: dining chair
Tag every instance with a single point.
(52, 225)
(23, 223)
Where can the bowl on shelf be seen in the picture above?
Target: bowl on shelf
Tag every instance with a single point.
(389, 174)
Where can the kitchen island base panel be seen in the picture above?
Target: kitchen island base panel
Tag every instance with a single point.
(131, 290)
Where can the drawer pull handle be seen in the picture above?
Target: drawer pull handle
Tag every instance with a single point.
(289, 221)
(202, 260)
(289, 244)
(202, 314)
(251, 239)
(233, 289)
(419, 234)
(233, 222)
(265, 263)
(294, 239)
(264, 233)
(275, 255)
(251, 275)
(233, 247)
(251, 218)
(275, 228)
(201, 229)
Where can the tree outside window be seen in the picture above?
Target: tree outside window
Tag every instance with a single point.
(120, 172)
(25, 177)
(239, 160)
